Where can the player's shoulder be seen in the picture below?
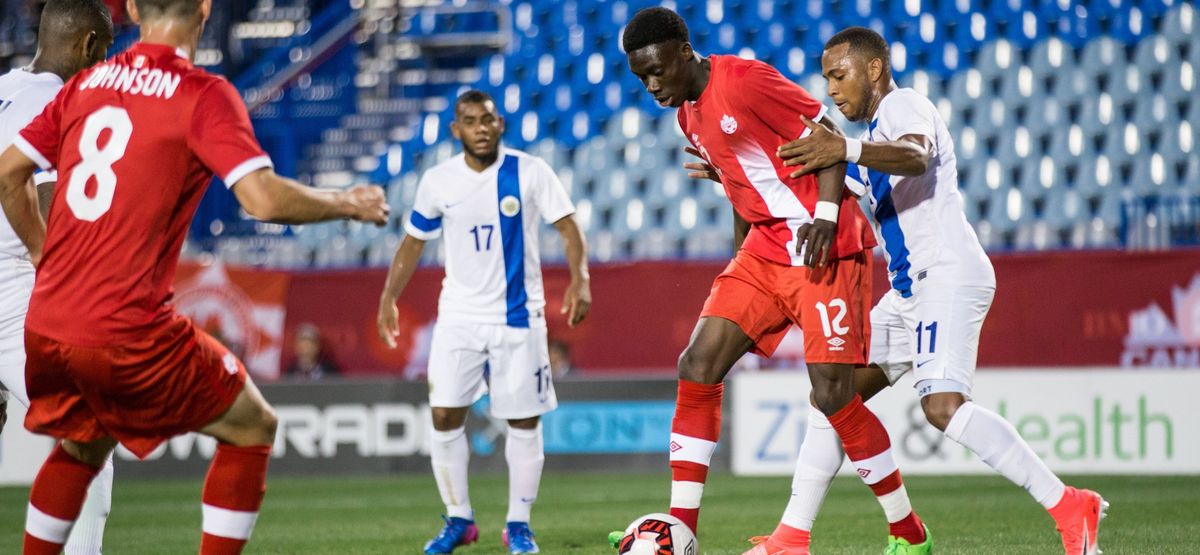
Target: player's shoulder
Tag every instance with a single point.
(453, 165)
(904, 102)
(734, 66)
(27, 85)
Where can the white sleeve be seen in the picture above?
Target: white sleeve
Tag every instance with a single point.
(425, 220)
(910, 115)
(552, 199)
(44, 177)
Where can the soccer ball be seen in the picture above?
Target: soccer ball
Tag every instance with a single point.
(658, 534)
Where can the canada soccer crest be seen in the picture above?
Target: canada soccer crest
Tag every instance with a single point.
(728, 124)
(1154, 340)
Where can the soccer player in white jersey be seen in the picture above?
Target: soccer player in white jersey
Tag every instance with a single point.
(72, 35)
(942, 284)
(487, 204)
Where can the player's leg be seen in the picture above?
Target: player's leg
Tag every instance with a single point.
(944, 380)
(237, 477)
(58, 493)
(821, 452)
(522, 391)
(457, 356)
(87, 536)
(835, 302)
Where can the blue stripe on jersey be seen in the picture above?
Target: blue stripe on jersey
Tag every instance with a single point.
(889, 227)
(512, 235)
(854, 172)
(425, 224)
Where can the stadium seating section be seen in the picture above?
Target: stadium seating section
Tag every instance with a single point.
(1076, 122)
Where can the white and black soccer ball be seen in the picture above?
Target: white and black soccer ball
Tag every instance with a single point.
(658, 534)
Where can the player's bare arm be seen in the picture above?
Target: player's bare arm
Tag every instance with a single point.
(578, 299)
(911, 155)
(817, 238)
(20, 200)
(269, 197)
(404, 264)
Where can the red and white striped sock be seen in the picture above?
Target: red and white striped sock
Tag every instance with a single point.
(870, 451)
(54, 502)
(233, 493)
(694, 434)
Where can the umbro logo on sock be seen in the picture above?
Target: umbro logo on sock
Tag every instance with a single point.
(864, 472)
(675, 447)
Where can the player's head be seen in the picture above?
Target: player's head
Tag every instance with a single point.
(75, 33)
(477, 124)
(660, 54)
(856, 65)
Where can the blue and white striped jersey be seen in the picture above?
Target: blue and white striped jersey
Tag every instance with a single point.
(490, 221)
(920, 219)
(23, 95)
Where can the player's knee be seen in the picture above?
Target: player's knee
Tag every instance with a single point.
(940, 408)
(445, 419)
(833, 388)
(268, 424)
(93, 453)
(695, 366)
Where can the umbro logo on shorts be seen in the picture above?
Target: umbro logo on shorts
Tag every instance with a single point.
(836, 343)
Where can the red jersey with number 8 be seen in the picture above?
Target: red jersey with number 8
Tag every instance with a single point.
(136, 141)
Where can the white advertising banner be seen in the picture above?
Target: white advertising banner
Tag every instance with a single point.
(1079, 421)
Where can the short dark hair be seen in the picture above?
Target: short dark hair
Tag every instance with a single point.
(472, 96)
(67, 19)
(653, 26)
(167, 8)
(863, 41)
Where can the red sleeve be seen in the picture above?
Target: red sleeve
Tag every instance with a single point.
(40, 139)
(778, 102)
(221, 135)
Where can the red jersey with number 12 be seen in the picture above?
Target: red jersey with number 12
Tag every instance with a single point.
(747, 111)
(136, 140)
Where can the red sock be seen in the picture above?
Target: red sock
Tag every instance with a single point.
(694, 434)
(870, 451)
(233, 493)
(55, 501)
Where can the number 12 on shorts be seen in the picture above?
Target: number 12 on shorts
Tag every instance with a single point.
(932, 329)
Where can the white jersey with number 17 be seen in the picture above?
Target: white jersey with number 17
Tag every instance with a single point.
(23, 95)
(490, 222)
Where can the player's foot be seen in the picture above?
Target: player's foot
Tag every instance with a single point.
(1078, 520)
(518, 538)
(456, 532)
(900, 546)
(764, 545)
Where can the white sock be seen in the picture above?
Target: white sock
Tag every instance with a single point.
(999, 445)
(820, 458)
(523, 451)
(449, 454)
(87, 536)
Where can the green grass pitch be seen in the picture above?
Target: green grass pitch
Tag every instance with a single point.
(967, 515)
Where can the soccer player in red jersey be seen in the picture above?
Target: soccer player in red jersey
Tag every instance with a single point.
(805, 260)
(136, 140)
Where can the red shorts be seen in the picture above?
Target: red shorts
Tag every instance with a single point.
(175, 380)
(831, 305)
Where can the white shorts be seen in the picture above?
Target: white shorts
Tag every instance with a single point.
(936, 331)
(516, 362)
(16, 284)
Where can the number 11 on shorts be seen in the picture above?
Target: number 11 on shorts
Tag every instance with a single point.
(932, 329)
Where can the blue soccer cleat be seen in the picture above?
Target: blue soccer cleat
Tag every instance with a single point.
(457, 532)
(518, 538)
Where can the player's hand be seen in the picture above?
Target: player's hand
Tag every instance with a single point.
(815, 240)
(577, 302)
(701, 169)
(821, 149)
(368, 204)
(387, 322)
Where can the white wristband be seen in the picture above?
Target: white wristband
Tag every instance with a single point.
(826, 211)
(853, 150)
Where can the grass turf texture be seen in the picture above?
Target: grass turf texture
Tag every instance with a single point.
(967, 515)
